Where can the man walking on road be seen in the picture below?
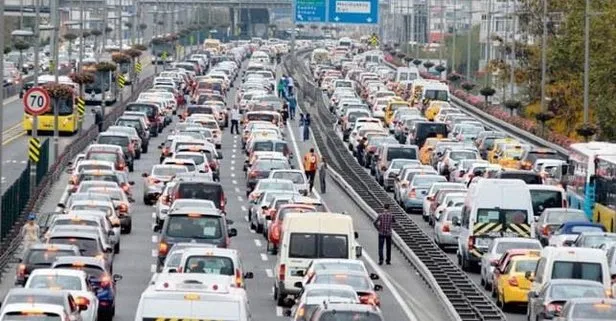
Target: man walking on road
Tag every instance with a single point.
(235, 120)
(31, 232)
(384, 223)
(311, 163)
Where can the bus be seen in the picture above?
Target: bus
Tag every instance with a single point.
(103, 85)
(68, 115)
(604, 211)
(162, 48)
(580, 187)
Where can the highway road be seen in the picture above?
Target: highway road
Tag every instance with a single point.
(14, 158)
(516, 314)
(405, 295)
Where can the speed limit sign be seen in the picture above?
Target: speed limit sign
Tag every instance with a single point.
(36, 101)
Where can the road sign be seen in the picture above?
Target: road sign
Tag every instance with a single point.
(138, 67)
(34, 149)
(310, 10)
(164, 55)
(121, 81)
(81, 106)
(36, 101)
(354, 11)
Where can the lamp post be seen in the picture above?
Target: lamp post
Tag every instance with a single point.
(1, 95)
(544, 43)
(586, 59)
(36, 34)
(55, 19)
(513, 53)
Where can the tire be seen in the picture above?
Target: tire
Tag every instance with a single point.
(129, 228)
(259, 228)
(144, 149)
(279, 298)
(131, 167)
(116, 248)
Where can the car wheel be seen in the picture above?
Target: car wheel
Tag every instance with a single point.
(144, 149)
(129, 227)
(259, 228)
(116, 248)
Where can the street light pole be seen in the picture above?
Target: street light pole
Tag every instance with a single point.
(1, 96)
(453, 37)
(544, 43)
(586, 60)
(37, 9)
(469, 40)
(55, 4)
(442, 40)
(488, 43)
(513, 53)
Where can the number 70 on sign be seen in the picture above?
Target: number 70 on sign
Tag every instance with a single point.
(36, 101)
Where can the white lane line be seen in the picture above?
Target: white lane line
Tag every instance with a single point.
(233, 156)
(258, 243)
(232, 168)
(154, 215)
(237, 190)
(244, 209)
(239, 198)
(246, 218)
(152, 268)
(154, 238)
(279, 311)
(232, 161)
(270, 273)
(154, 253)
(234, 150)
(263, 257)
(232, 174)
(234, 182)
(251, 230)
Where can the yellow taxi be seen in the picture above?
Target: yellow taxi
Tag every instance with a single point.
(511, 157)
(425, 152)
(434, 107)
(392, 106)
(499, 146)
(512, 286)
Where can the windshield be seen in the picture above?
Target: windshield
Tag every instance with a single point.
(316, 245)
(198, 158)
(349, 316)
(543, 199)
(401, 152)
(45, 257)
(357, 282)
(169, 170)
(573, 291)
(594, 311)
(102, 81)
(87, 247)
(210, 264)
(502, 216)
(195, 227)
(19, 316)
(64, 282)
(295, 177)
(503, 247)
(432, 94)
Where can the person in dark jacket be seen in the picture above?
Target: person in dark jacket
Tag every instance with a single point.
(361, 149)
(98, 118)
(307, 122)
(323, 175)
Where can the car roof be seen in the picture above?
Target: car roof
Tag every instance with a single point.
(87, 260)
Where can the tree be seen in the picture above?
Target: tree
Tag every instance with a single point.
(487, 92)
(462, 51)
(512, 105)
(7, 50)
(586, 131)
(428, 65)
(108, 29)
(21, 46)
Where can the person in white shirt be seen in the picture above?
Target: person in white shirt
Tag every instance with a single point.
(235, 120)
(289, 85)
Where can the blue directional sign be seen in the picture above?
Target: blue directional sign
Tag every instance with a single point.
(354, 11)
(311, 11)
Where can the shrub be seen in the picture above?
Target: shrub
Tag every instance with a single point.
(60, 91)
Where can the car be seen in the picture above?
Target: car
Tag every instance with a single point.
(92, 218)
(313, 296)
(512, 286)
(358, 280)
(40, 256)
(62, 299)
(215, 261)
(88, 242)
(497, 248)
(548, 302)
(155, 181)
(589, 309)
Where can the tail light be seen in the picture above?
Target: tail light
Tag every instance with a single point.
(123, 208)
(238, 278)
(545, 230)
(446, 228)
(125, 187)
(370, 299)
(412, 193)
(213, 165)
(471, 242)
(21, 270)
(223, 200)
(252, 174)
(154, 180)
(121, 166)
(275, 234)
(74, 180)
(282, 271)
(166, 200)
(163, 248)
(554, 308)
(105, 281)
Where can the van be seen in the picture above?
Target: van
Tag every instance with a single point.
(492, 208)
(547, 196)
(308, 236)
(427, 129)
(180, 296)
(570, 263)
(406, 74)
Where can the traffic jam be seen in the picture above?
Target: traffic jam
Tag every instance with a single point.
(500, 205)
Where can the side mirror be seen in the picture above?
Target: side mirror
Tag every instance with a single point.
(358, 251)
(529, 275)
(131, 182)
(145, 175)
(268, 218)
(156, 228)
(116, 278)
(160, 146)
(62, 206)
(287, 312)
(219, 156)
(356, 234)
(536, 219)
(131, 200)
(232, 232)
(374, 276)
(378, 287)
(298, 285)
(248, 275)
(172, 270)
(564, 169)
(108, 250)
(229, 222)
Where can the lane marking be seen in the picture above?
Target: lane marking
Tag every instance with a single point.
(232, 174)
(154, 253)
(258, 243)
(270, 273)
(237, 190)
(154, 238)
(246, 218)
(244, 209)
(232, 168)
(264, 257)
(234, 182)
(232, 161)
(251, 230)
(239, 198)
(233, 156)
(234, 150)
(279, 311)
(153, 268)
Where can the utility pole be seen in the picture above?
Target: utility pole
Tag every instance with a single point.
(1, 97)
(586, 61)
(469, 40)
(488, 43)
(33, 165)
(544, 43)
(120, 42)
(55, 21)
(442, 40)
(103, 89)
(513, 53)
(453, 38)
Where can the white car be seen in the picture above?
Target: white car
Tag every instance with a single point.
(74, 281)
(200, 161)
(295, 175)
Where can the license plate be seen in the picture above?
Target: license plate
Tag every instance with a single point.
(483, 242)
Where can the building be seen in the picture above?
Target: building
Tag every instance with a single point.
(498, 21)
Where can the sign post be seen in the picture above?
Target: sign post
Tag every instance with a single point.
(36, 102)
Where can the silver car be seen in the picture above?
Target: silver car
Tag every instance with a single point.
(155, 181)
(495, 251)
(445, 232)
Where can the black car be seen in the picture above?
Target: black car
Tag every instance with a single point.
(41, 256)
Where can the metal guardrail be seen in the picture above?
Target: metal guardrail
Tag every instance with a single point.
(500, 124)
(469, 302)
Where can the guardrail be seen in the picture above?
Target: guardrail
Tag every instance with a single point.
(462, 298)
(500, 124)
(13, 239)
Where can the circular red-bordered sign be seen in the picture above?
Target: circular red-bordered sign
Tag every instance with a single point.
(36, 101)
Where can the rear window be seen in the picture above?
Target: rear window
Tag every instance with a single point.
(147, 109)
(43, 316)
(268, 165)
(113, 140)
(459, 155)
(562, 217)
(109, 157)
(261, 117)
(199, 109)
(594, 311)
(503, 247)
(74, 222)
(279, 186)
(502, 216)
(169, 171)
(581, 229)
(45, 257)
(401, 152)
(194, 227)
(199, 159)
(349, 316)
(91, 270)
(104, 178)
(530, 178)
(209, 264)
(577, 270)
(574, 291)
(357, 282)
(295, 177)
(83, 207)
(64, 282)
(523, 266)
(314, 245)
(87, 247)
(202, 191)
(427, 181)
(543, 199)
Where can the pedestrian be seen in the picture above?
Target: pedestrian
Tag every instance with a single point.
(98, 118)
(31, 232)
(290, 85)
(280, 88)
(323, 175)
(311, 163)
(361, 149)
(307, 122)
(285, 112)
(292, 105)
(301, 124)
(384, 224)
(235, 120)
(285, 85)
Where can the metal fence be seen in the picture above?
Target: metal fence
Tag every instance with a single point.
(14, 200)
(43, 165)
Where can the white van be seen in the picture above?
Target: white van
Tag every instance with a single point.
(319, 56)
(547, 196)
(406, 74)
(192, 296)
(492, 208)
(308, 236)
(571, 263)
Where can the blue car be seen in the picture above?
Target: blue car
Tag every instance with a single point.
(101, 281)
(568, 232)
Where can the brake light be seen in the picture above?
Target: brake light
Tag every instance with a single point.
(105, 281)
(21, 270)
(213, 165)
(238, 278)
(166, 151)
(545, 230)
(471, 242)
(554, 308)
(123, 208)
(166, 200)
(125, 187)
(163, 248)
(223, 200)
(275, 233)
(412, 193)
(154, 180)
(282, 271)
(121, 166)
(252, 174)
(446, 228)
(370, 299)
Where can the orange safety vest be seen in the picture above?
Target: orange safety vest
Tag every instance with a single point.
(310, 162)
